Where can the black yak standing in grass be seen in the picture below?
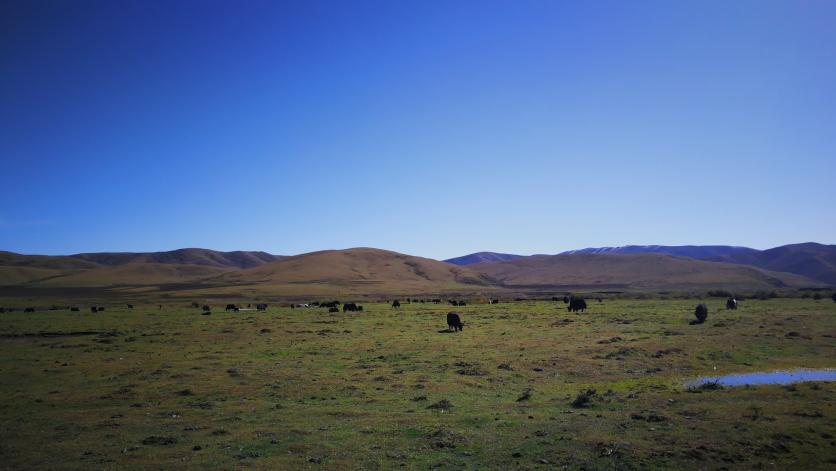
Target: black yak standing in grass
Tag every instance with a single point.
(577, 304)
(454, 322)
(396, 304)
(701, 313)
(731, 303)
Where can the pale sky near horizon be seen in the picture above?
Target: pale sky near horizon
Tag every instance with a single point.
(434, 128)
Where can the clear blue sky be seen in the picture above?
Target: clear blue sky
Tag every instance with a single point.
(435, 128)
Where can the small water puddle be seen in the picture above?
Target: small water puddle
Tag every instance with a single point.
(773, 377)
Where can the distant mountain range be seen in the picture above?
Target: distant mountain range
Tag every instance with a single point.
(368, 271)
(480, 257)
(812, 260)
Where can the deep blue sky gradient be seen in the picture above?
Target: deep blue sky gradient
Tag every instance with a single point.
(434, 128)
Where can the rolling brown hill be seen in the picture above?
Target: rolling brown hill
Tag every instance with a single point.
(132, 274)
(357, 271)
(636, 271)
(111, 269)
(51, 262)
(191, 256)
(816, 261)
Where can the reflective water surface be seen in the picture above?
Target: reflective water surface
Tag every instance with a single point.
(771, 377)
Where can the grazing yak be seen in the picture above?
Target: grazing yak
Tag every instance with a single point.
(74, 309)
(701, 313)
(93, 309)
(261, 307)
(231, 307)
(130, 306)
(29, 309)
(2, 310)
(333, 309)
(454, 322)
(396, 304)
(566, 300)
(731, 303)
(577, 304)
(352, 307)
(493, 301)
(206, 308)
(101, 309)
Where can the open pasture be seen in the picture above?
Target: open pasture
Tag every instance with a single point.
(386, 389)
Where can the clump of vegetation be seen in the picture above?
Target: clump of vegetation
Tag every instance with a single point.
(705, 386)
(443, 404)
(583, 399)
(155, 440)
(719, 293)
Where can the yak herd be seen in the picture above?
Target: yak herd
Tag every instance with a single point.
(454, 323)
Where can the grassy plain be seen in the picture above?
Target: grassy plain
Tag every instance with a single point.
(387, 389)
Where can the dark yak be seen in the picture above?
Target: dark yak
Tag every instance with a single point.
(396, 304)
(261, 307)
(352, 307)
(231, 307)
(731, 303)
(130, 306)
(206, 308)
(454, 322)
(577, 304)
(566, 300)
(701, 312)
(93, 309)
(493, 301)
(74, 309)
(29, 309)
(101, 309)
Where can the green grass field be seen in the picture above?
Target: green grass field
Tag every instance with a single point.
(385, 389)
